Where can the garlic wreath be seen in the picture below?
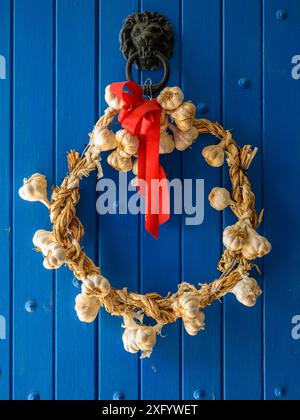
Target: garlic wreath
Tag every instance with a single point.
(243, 244)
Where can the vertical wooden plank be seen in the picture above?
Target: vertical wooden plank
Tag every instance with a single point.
(202, 356)
(157, 273)
(281, 198)
(5, 193)
(118, 234)
(242, 112)
(33, 145)
(76, 90)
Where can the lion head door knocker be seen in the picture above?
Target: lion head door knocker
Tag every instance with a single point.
(147, 41)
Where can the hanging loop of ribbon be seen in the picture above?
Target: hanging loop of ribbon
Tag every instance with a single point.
(141, 118)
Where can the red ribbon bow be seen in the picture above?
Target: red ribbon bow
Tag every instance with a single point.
(141, 118)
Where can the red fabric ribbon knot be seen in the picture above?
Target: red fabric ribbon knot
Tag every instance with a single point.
(141, 118)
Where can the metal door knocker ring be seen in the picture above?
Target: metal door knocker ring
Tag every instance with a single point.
(154, 88)
(147, 41)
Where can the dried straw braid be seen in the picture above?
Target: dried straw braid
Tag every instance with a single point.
(68, 232)
(239, 161)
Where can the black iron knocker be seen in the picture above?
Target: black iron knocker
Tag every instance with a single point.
(147, 41)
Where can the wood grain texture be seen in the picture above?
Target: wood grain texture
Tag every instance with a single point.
(76, 93)
(60, 55)
(160, 260)
(6, 198)
(33, 146)
(201, 83)
(280, 180)
(242, 112)
(119, 253)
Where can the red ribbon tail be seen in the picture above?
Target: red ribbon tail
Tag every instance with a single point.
(154, 221)
(164, 198)
(157, 196)
(142, 118)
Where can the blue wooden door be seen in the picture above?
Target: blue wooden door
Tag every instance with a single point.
(239, 60)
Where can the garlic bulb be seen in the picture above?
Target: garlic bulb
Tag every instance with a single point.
(247, 291)
(214, 155)
(146, 340)
(219, 198)
(256, 246)
(166, 143)
(138, 337)
(129, 341)
(55, 257)
(184, 139)
(170, 98)
(129, 335)
(87, 307)
(103, 139)
(42, 239)
(190, 310)
(112, 100)
(184, 116)
(35, 189)
(265, 247)
(97, 281)
(49, 264)
(194, 325)
(189, 306)
(118, 162)
(54, 253)
(127, 144)
(234, 237)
